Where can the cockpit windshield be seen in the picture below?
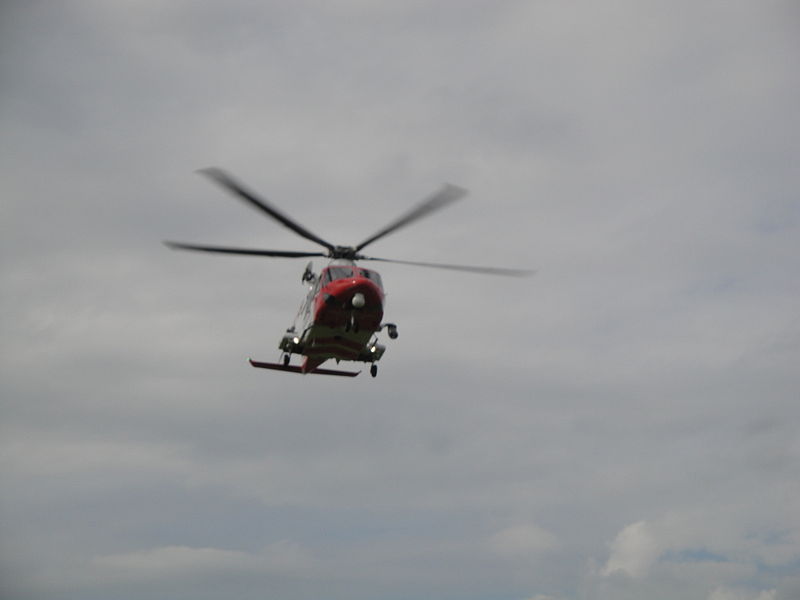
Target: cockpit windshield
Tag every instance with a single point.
(373, 276)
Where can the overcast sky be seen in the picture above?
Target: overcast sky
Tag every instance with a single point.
(623, 425)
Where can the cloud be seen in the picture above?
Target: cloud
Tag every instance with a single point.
(723, 593)
(634, 400)
(680, 549)
(180, 561)
(174, 559)
(633, 551)
(522, 541)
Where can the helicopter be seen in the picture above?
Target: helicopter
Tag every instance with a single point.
(342, 313)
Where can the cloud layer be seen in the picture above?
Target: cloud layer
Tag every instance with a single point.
(623, 425)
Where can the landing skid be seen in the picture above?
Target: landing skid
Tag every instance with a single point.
(296, 369)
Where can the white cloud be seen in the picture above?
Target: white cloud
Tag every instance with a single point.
(633, 551)
(724, 593)
(177, 561)
(171, 559)
(685, 550)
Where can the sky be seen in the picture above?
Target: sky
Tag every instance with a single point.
(624, 424)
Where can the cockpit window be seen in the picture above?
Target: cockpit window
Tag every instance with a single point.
(372, 276)
(334, 273)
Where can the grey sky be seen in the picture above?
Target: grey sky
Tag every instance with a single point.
(623, 425)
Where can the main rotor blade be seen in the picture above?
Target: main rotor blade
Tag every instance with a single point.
(467, 268)
(231, 185)
(449, 193)
(229, 250)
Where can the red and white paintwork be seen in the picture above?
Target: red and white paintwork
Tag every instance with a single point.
(339, 320)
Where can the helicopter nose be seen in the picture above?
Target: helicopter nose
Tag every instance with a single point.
(358, 300)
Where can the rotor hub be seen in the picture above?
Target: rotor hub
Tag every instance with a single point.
(345, 252)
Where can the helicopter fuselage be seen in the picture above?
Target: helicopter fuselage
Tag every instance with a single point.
(339, 319)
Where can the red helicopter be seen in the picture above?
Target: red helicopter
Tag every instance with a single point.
(343, 310)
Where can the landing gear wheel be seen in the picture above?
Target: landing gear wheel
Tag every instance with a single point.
(373, 370)
(393, 332)
(285, 360)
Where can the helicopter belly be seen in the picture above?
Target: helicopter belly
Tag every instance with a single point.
(325, 342)
(341, 322)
